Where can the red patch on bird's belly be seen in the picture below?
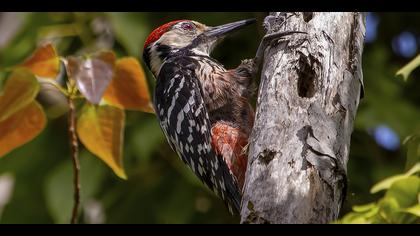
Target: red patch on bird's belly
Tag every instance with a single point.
(230, 142)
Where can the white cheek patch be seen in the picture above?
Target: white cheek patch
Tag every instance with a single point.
(155, 61)
(175, 40)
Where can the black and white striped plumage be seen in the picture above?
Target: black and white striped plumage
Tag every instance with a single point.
(203, 109)
(184, 119)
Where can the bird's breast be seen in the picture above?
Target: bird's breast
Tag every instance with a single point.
(208, 69)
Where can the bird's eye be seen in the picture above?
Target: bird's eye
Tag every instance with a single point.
(188, 26)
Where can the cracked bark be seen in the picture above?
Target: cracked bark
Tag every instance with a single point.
(308, 97)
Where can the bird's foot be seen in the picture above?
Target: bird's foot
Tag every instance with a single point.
(247, 68)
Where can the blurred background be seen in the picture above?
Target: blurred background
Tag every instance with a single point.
(36, 179)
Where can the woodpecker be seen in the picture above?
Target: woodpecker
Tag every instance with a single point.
(204, 109)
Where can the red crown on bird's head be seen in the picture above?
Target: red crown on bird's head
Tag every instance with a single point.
(158, 32)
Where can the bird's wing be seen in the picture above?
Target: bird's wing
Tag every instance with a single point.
(184, 119)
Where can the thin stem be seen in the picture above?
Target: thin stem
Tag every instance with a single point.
(75, 157)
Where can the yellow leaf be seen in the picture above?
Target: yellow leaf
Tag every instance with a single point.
(21, 127)
(101, 130)
(19, 90)
(44, 62)
(128, 88)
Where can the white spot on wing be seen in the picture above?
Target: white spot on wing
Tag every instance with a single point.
(203, 129)
(222, 184)
(191, 99)
(200, 170)
(180, 118)
(190, 138)
(198, 111)
(192, 165)
(171, 84)
(181, 146)
(187, 108)
(174, 98)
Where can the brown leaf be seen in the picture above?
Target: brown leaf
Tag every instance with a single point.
(21, 127)
(44, 62)
(128, 88)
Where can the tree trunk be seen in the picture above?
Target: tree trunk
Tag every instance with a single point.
(310, 89)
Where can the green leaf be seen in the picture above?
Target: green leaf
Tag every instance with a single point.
(386, 183)
(414, 169)
(145, 138)
(123, 24)
(101, 130)
(405, 191)
(370, 210)
(59, 188)
(354, 218)
(364, 208)
(413, 150)
(389, 210)
(415, 210)
(19, 91)
(407, 69)
(93, 74)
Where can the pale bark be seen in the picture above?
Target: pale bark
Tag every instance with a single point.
(310, 89)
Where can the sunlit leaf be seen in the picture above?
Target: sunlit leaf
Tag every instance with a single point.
(21, 127)
(101, 130)
(407, 69)
(414, 169)
(44, 62)
(386, 183)
(19, 90)
(128, 88)
(354, 218)
(415, 210)
(405, 191)
(389, 209)
(92, 74)
(364, 208)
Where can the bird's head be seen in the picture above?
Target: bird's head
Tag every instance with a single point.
(184, 34)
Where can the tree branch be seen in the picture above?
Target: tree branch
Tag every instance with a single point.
(75, 158)
(308, 97)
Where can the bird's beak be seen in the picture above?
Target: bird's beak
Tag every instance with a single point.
(222, 30)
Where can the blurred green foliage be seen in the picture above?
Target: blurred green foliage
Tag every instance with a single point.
(160, 189)
(400, 204)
